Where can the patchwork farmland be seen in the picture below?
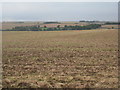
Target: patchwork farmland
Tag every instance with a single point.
(10, 25)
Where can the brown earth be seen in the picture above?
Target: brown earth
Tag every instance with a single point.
(60, 59)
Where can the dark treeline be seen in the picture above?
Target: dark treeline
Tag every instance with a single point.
(51, 22)
(58, 28)
(87, 21)
(112, 23)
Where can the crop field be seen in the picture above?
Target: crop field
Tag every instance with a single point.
(10, 25)
(60, 59)
(110, 26)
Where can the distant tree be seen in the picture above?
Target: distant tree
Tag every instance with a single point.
(65, 26)
(58, 26)
(45, 26)
(38, 26)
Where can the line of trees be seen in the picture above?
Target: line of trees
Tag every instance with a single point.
(112, 23)
(58, 28)
(51, 22)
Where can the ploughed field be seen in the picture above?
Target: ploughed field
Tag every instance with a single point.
(60, 59)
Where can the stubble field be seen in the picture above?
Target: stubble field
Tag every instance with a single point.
(60, 59)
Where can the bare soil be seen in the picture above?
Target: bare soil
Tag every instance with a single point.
(60, 59)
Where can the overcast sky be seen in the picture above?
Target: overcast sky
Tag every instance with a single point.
(60, 11)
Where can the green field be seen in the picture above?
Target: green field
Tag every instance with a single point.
(60, 59)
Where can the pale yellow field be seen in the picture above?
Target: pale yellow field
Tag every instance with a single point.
(10, 25)
(110, 26)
